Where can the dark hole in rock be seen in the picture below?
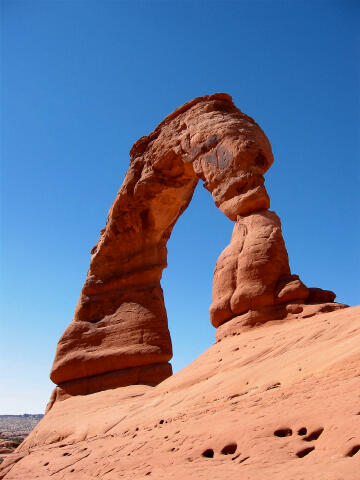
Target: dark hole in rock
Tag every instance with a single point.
(208, 453)
(66, 454)
(304, 452)
(314, 435)
(161, 422)
(283, 432)
(260, 160)
(229, 449)
(46, 464)
(302, 431)
(353, 451)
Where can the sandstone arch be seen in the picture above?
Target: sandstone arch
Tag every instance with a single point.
(119, 334)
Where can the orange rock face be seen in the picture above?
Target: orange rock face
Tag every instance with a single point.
(248, 271)
(119, 335)
(279, 402)
(252, 279)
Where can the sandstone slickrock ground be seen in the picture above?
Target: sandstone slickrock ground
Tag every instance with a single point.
(279, 401)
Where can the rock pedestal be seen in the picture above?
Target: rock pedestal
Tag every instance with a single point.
(253, 283)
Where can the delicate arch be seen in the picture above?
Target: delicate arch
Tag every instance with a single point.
(119, 333)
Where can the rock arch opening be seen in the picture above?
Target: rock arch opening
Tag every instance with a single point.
(196, 242)
(119, 334)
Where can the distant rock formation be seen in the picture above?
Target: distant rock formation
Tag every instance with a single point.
(13, 430)
(119, 335)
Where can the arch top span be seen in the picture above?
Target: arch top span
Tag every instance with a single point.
(226, 148)
(140, 145)
(119, 334)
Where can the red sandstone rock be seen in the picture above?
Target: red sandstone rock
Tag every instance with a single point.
(120, 321)
(248, 270)
(273, 313)
(252, 279)
(279, 402)
(119, 335)
(143, 375)
(317, 295)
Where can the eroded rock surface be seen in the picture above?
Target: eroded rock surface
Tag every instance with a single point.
(279, 402)
(119, 335)
(253, 283)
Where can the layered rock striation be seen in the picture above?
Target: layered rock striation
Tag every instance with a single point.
(119, 334)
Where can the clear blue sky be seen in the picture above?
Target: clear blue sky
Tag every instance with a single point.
(81, 81)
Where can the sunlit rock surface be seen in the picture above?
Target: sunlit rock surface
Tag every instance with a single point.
(280, 401)
(119, 335)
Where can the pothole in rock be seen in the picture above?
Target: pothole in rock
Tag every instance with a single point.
(208, 453)
(304, 452)
(314, 435)
(353, 451)
(283, 432)
(229, 449)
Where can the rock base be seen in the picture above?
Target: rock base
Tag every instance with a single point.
(150, 375)
(253, 318)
